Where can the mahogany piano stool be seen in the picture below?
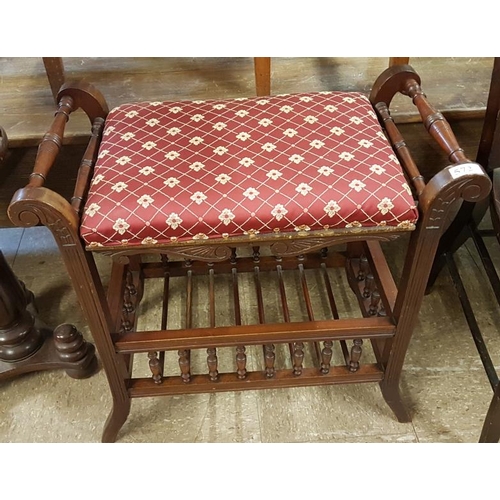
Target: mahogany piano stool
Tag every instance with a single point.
(293, 191)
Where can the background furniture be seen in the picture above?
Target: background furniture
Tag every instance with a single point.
(26, 344)
(470, 225)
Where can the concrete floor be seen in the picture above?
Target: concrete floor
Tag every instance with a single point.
(444, 383)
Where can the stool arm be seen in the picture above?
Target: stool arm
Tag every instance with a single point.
(71, 97)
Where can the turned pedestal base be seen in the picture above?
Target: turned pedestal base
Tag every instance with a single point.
(27, 345)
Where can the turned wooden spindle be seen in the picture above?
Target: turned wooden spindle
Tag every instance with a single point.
(356, 352)
(256, 254)
(298, 358)
(269, 358)
(87, 166)
(241, 362)
(184, 365)
(212, 363)
(374, 303)
(51, 143)
(156, 367)
(363, 268)
(326, 356)
(369, 285)
(435, 123)
(401, 148)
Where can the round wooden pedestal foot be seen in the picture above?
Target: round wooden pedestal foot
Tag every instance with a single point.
(72, 349)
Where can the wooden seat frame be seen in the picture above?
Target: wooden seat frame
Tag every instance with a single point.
(388, 313)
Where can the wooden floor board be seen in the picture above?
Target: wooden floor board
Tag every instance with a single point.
(26, 103)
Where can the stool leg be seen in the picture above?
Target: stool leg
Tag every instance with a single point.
(491, 427)
(392, 395)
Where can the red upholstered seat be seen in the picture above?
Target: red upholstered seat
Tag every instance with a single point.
(176, 171)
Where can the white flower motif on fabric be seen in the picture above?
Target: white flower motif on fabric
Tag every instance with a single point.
(149, 145)
(385, 205)
(173, 131)
(173, 220)
(251, 193)
(261, 102)
(381, 135)
(132, 114)
(265, 122)
(92, 209)
(346, 156)
(223, 178)
(241, 99)
(197, 118)
(128, 136)
(196, 166)
(103, 153)
(286, 109)
(171, 182)
(219, 126)
(243, 136)
(317, 144)
(200, 236)
(145, 200)
(196, 140)
(268, 146)
(357, 185)
(146, 170)
(326, 171)
(310, 119)
(407, 188)
(372, 114)
(246, 162)
(152, 122)
(172, 155)
(155, 103)
(123, 160)
(337, 130)
(303, 188)
(119, 187)
(149, 241)
(290, 132)
(220, 150)
(120, 226)
(109, 130)
(219, 106)
(241, 113)
(306, 98)
(198, 197)
(331, 208)
(199, 101)
(278, 212)
(274, 174)
(349, 100)
(175, 110)
(393, 158)
(331, 108)
(356, 120)
(365, 143)
(98, 178)
(226, 216)
(377, 169)
(296, 159)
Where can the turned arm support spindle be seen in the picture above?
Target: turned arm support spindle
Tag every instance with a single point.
(435, 123)
(51, 143)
